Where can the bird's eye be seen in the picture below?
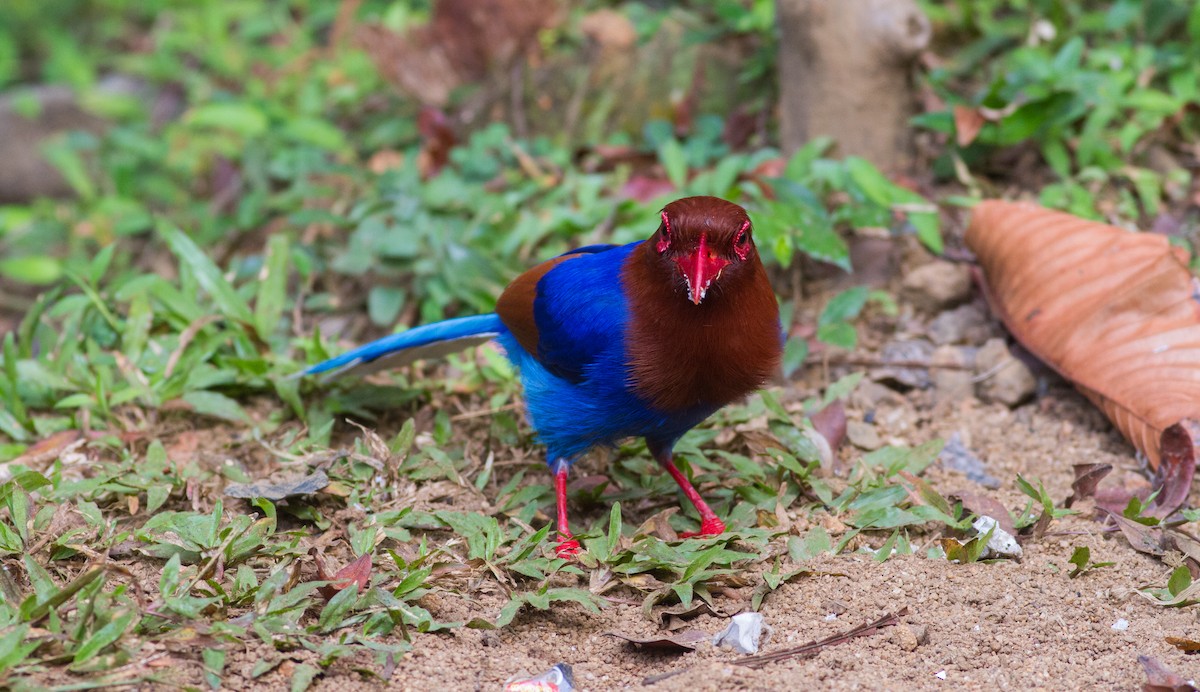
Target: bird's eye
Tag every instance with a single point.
(664, 237)
(741, 241)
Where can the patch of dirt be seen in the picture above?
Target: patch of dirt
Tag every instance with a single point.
(1002, 625)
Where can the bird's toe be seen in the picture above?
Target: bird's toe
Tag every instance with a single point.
(709, 527)
(568, 549)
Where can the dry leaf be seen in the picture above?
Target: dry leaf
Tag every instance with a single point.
(659, 526)
(967, 124)
(675, 618)
(1115, 312)
(48, 449)
(1187, 646)
(1142, 538)
(1160, 679)
(985, 506)
(676, 643)
(357, 572)
(464, 41)
(1087, 477)
(305, 485)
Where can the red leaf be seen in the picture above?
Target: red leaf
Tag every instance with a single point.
(357, 572)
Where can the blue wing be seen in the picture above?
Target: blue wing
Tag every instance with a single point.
(581, 312)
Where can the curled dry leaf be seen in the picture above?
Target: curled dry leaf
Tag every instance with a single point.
(676, 618)
(1115, 312)
(1087, 477)
(659, 526)
(1187, 646)
(1161, 679)
(1142, 538)
(829, 426)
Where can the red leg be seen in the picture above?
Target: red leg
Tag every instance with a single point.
(710, 524)
(568, 547)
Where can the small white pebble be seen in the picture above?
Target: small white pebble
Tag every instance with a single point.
(975, 628)
(1121, 625)
(831, 617)
(940, 675)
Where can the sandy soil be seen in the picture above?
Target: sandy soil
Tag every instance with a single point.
(1005, 625)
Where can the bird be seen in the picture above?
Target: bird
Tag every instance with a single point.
(613, 342)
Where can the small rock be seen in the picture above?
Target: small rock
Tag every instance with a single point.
(909, 637)
(958, 457)
(870, 394)
(965, 324)
(953, 383)
(1003, 378)
(1121, 625)
(863, 435)
(937, 286)
(898, 353)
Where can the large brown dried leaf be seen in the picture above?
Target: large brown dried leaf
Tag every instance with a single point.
(1115, 312)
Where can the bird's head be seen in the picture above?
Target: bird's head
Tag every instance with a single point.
(701, 240)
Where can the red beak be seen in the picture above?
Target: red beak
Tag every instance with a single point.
(700, 268)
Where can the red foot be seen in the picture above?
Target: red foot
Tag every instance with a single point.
(709, 527)
(567, 548)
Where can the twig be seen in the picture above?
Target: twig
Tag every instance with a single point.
(814, 647)
(991, 372)
(879, 363)
(484, 412)
(650, 680)
(185, 338)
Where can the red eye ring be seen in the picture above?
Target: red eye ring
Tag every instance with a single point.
(741, 241)
(664, 240)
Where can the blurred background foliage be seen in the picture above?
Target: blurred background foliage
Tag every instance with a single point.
(246, 174)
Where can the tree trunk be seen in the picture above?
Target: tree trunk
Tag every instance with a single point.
(844, 69)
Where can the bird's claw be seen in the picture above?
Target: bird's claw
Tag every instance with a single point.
(567, 548)
(709, 527)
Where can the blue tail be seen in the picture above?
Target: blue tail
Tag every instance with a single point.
(427, 341)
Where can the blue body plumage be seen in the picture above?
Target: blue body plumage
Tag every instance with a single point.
(614, 341)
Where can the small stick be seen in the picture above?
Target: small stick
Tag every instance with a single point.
(877, 363)
(816, 646)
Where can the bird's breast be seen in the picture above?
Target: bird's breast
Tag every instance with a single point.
(683, 356)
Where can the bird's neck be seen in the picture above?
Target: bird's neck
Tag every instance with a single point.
(684, 356)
